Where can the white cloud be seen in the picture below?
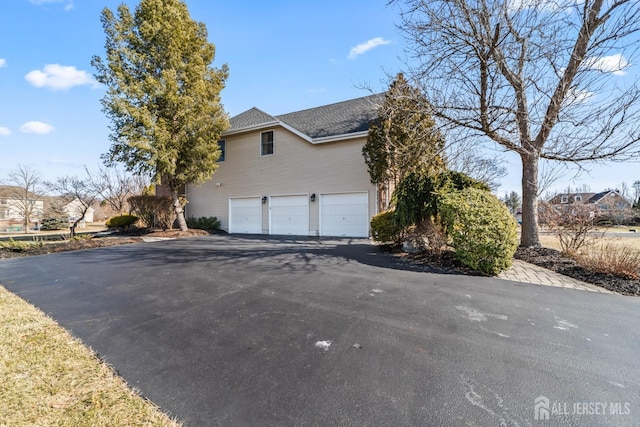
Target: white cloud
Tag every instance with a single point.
(577, 96)
(4, 131)
(59, 77)
(556, 6)
(3, 62)
(68, 6)
(39, 128)
(366, 46)
(615, 64)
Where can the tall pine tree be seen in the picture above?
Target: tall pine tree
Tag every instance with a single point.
(404, 138)
(163, 95)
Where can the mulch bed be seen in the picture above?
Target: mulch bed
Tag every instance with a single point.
(98, 242)
(555, 261)
(68, 246)
(442, 262)
(550, 259)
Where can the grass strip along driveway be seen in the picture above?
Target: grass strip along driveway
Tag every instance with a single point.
(47, 377)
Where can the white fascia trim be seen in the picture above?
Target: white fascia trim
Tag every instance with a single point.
(252, 128)
(297, 132)
(321, 140)
(342, 137)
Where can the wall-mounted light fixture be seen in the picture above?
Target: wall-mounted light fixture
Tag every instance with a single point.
(313, 197)
(264, 199)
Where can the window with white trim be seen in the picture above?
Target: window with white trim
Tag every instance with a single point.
(564, 199)
(222, 144)
(578, 198)
(266, 143)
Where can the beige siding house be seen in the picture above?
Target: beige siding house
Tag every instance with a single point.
(13, 206)
(300, 173)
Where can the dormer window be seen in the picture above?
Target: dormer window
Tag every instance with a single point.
(266, 143)
(564, 199)
(578, 198)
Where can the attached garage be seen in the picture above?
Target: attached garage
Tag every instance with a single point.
(289, 215)
(344, 214)
(245, 215)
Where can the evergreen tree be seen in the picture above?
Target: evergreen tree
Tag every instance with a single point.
(513, 201)
(163, 95)
(404, 138)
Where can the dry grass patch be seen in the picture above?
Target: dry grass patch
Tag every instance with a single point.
(609, 258)
(550, 241)
(48, 378)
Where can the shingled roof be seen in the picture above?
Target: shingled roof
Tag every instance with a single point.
(251, 118)
(598, 196)
(342, 118)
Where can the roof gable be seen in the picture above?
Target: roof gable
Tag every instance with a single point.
(251, 118)
(319, 124)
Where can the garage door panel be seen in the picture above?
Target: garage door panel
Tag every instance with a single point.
(289, 215)
(344, 214)
(245, 215)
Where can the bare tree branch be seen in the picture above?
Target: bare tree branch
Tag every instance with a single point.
(541, 78)
(79, 191)
(24, 192)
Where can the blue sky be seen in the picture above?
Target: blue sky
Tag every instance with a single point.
(283, 56)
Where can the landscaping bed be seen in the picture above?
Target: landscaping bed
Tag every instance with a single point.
(554, 260)
(95, 242)
(551, 259)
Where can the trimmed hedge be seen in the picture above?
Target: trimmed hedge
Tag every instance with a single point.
(384, 228)
(153, 211)
(121, 222)
(204, 223)
(482, 231)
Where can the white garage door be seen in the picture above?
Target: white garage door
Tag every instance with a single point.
(245, 215)
(344, 214)
(289, 215)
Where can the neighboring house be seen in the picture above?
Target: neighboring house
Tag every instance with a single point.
(74, 210)
(12, 209)
(607, 205)
(608, 200)
(300, 173)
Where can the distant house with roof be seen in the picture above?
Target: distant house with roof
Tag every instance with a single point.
(76, 210)
(14, 204)
(609, 204)
(300, 173)
(608, 200)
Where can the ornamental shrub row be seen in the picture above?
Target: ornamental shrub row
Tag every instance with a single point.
(477, 225)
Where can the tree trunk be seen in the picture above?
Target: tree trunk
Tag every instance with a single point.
(530, 236)
(177, 207)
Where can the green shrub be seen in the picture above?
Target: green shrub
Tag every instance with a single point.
(204, 223)
(121, 222)
(384, 228)
(482, 231)
(54, 224)
(15, 245)
(417, 195)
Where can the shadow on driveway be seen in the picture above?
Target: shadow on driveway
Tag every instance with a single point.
(271, 252)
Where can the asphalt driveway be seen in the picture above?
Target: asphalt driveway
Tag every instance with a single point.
(227, 330)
